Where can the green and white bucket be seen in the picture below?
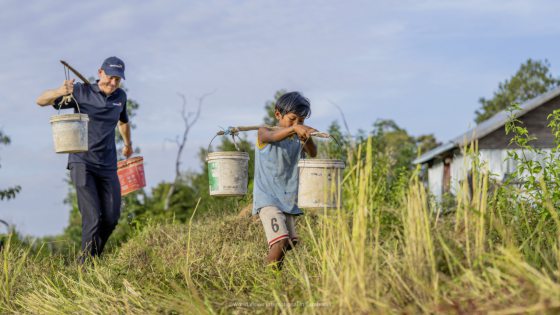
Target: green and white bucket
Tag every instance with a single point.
(228, 173)
(320, 183)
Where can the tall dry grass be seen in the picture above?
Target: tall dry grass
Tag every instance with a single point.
(388, 249)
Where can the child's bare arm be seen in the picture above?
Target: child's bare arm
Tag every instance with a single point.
(303, 132)
(267, 135)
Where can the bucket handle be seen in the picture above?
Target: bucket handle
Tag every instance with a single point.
(66, 99)
(225, 133)
(320, 135)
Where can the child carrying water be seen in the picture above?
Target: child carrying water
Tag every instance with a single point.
(276, 173)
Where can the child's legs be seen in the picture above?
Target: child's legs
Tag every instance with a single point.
(276, 230)
(291, 226)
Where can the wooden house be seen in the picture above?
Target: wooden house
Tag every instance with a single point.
(446, 164)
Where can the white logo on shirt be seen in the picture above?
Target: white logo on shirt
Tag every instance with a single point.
(117, 104)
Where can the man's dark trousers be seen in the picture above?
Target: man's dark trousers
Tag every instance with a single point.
(99, 201)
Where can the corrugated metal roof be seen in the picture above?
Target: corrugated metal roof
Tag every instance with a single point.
(486, 127)
(426, 157)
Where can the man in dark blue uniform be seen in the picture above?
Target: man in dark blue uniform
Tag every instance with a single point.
(94, 173)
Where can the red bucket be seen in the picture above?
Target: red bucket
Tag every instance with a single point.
(131, 174)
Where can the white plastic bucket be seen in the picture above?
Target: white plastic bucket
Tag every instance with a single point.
(320, 183)
(70, 133)
(228, 173)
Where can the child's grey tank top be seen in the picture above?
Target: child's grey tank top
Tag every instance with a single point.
(276, 175)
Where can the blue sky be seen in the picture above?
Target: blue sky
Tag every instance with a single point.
(423, 64)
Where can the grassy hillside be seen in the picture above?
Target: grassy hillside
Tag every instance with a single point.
(389, 250)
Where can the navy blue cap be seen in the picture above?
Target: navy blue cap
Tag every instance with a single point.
(113, 66)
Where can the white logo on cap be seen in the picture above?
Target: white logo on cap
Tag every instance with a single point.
(115, 66)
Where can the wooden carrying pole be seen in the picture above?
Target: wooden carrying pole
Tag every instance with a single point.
(236, 130)
(78, 74)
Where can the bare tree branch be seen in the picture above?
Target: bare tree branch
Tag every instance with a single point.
(189, 120)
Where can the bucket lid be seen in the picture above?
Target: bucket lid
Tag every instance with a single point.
(228, 155)
(69, 117)
(321, 163)
(127, 162)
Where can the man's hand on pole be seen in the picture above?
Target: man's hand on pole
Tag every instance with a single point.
(66, 88)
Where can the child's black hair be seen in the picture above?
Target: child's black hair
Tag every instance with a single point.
(293, 102)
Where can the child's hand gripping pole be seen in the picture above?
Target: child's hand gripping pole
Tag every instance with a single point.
(234, 131)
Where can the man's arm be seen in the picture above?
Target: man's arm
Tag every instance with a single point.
(124, 129)
(49, 96)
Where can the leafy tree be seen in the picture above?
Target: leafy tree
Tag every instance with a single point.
(11, 192)
(401, 147)
(395, 141)
(336, 148)
(269, 118)
(192, 186)
(532, 79)
(425, 143)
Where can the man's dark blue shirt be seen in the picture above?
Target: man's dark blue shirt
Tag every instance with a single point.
(104, 113)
